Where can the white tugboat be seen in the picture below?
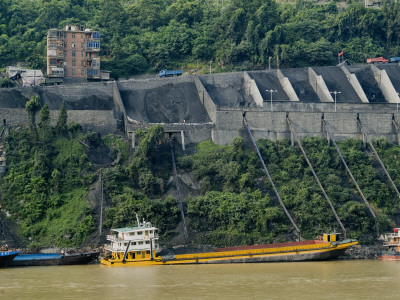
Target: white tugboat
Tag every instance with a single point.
(392, 245)
(132, 244)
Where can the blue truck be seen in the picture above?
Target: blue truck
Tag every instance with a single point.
(168, 73)
(394, 59)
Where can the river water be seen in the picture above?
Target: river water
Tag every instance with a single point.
(357, 279)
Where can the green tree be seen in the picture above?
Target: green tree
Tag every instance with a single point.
(44, 121)
(62, 119)
(32, 107)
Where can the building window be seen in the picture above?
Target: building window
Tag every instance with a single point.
(73, 35)
(73, 53)
(73, 72)
(82, 72)
(73, 45)
(74, 63)
(82, 45)
(82, 54)
(82, 63)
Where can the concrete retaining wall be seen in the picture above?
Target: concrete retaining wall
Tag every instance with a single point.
(206, 100)
(352, 78)
(287, 86)
(265, 124)
(252, 90)
(14, 116)
(385, 85)
(319, 86)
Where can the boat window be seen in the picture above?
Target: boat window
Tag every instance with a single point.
(138, 252)
(134, 243)
(148, 252)
(141, 243)
(143, 254)
(147, 242)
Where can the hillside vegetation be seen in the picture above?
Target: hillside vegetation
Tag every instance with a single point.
(51, 173)
(145, 35)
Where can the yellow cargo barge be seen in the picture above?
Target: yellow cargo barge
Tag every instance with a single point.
(137, 246)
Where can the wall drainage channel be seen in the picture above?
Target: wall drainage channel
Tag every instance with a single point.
(180, 203)
(270, 179)
(351, 175)
(378, 158)
(316, 177)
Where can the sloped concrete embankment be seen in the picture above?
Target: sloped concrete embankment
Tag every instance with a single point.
(163, 101)
(228, 90)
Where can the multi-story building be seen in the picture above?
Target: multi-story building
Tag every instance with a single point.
(73, 52)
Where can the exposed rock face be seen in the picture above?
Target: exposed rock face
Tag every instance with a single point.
(363, 252)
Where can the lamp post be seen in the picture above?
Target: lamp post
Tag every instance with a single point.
(335, 93)
(397, 104)
(271, 91)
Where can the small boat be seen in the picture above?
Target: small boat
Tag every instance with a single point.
(392, 245)
(6, 257)
(137, 246)
(52, 259)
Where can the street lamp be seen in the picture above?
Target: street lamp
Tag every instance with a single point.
(335, 93)
(398, 94)
(271, 91)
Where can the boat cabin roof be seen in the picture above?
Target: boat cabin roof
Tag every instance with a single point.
(136, 228)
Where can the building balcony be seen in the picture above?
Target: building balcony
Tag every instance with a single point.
(93, 73)
(92, 49)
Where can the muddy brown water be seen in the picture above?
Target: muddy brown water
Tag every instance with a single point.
(358, 279)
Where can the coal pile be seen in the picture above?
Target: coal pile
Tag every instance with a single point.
(91, 102)
(336, 80)
(12, 98)
(393, 72)
(301, 84)
(368, 83)
(228, 91)
(169, 103)
(267, 81)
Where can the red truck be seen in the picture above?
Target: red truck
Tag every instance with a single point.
(377, 60)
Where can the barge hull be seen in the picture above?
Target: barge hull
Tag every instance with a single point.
(294, 254)
(389, 256)
(24, 260)
(6, 257)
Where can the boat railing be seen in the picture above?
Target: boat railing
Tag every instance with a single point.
(133, 248)
(135, 238)
(389, 236)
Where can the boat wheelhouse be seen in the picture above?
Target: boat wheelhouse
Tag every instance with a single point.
(392, 246)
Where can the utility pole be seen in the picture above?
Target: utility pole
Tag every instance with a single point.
(101, 203)
(271, 91)
(335, 93)
(397, 104)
